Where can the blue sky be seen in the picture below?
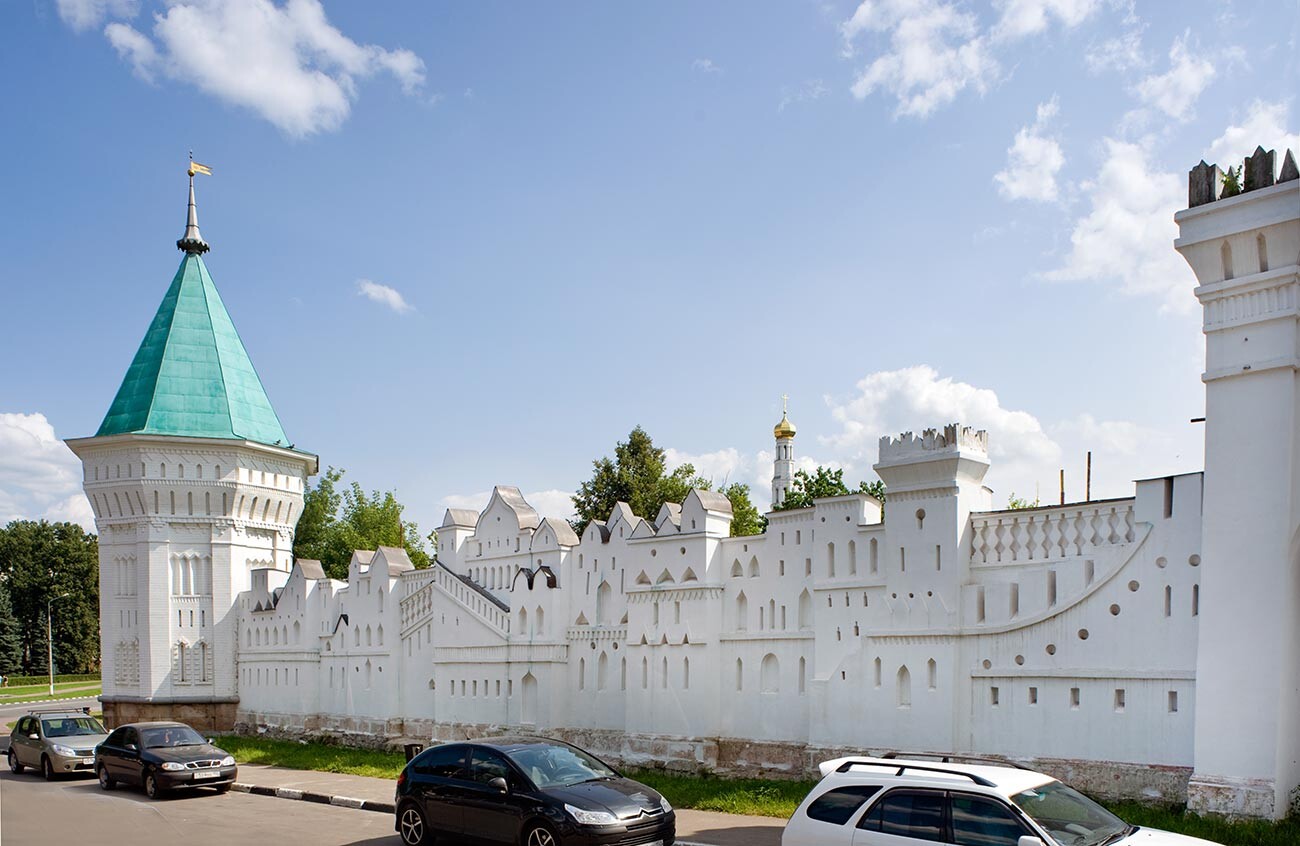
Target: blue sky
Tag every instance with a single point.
(476, 243)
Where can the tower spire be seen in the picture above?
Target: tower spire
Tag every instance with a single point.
(192, 241)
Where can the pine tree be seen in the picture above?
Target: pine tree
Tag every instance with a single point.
(11, 641)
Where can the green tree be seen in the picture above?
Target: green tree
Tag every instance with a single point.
(335, 523)
(1015, 502)
(11, 641)
(876, 489)
(40, 560)
(745, 519)
(822, 482)
(637, 475)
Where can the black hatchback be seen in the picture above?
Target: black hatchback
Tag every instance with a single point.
(526, 791)
(161, 757)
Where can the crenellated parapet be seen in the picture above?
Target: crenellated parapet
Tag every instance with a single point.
(1206, 183)
(952, 437)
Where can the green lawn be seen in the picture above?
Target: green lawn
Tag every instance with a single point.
(759, 797)
(62, 690)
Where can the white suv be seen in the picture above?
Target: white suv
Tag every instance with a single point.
(902, 802)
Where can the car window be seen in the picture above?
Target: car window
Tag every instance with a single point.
(838, 805)
(167, 737)
(70, 726)
(917, 814)
(25, 725)
(487, 765)
(115, 739)
(980, 821)
(129, 737)
(441, 761)
(558, 766)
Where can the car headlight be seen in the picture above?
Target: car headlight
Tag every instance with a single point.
(665, 804)
(228, 761)
(171, 766)
(591, 817)
(60, 749)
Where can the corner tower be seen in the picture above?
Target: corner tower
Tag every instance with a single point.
(194, 484)
(1243, 247)
(783, 464)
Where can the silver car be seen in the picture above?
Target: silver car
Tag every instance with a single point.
(55, 742)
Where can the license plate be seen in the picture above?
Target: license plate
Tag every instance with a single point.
(218, 775)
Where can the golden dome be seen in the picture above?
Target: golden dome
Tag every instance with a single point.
(784, 429)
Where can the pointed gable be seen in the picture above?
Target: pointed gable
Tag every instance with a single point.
(191, 375)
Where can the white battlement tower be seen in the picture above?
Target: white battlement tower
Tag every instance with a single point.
(1243, 249)
(194, 485)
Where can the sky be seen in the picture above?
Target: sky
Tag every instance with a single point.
(470, 244)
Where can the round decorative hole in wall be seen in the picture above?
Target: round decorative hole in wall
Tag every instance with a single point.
(1083, 634)
(1195, 560)
(616, 644)
(1051, 649)
(823, 519)
(911, 596)
(929, 593)
(683, 550)
(593, 644)
(1020, 660)
(653, 553)
(1114, 610)
(1162, 562)
(987, 664)
(846, 518)
(1133, 585)
(894, 595)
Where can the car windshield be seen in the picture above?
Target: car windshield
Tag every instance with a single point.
(161, 738)
(1070, 817)
(71, 726)
(558, 766)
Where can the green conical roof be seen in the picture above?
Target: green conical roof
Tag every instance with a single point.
(192, 376)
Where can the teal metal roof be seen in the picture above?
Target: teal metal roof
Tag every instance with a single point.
(192, 376)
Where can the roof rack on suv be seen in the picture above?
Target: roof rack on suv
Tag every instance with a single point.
(83, 710)
(904, 766)
(949, 758)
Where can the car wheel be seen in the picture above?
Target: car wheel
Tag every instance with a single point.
(105, 780)
(223, 788)
(412, 826)
(47, 769)
(539, 835)
(151, 788)
(14, 766)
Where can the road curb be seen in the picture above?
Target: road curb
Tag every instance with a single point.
(309, 796)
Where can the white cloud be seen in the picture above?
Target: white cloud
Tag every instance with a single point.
(383, 294)
(1030, 17)
(87, 14)
(916, 398)
(705, 66)
(1033, 160)
(1121, 53)
(548, 503)
(935, 52)
(1265, 125)
(937, 49)
(813, 89)
(39, 475)
(1127, 235)
(1175, 92)
(288, 64)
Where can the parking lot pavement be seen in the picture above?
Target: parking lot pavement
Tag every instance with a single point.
(33, 811)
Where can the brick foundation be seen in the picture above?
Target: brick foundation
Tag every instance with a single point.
(218, 716)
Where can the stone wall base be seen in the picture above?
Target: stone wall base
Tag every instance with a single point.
(722, 756)
(202, 716)
(1234, 797)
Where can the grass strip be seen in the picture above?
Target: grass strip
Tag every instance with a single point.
(752, 796)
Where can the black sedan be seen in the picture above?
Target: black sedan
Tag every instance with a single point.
(161, 757)
(526, 791)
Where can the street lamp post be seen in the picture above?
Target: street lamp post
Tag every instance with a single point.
(49, 637)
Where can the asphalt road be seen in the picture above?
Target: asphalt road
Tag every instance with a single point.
(76, 810)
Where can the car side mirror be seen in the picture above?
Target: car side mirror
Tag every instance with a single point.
(500, 784)
(210, 741)
(34, 736)
(1029, 840)
(131, 747)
